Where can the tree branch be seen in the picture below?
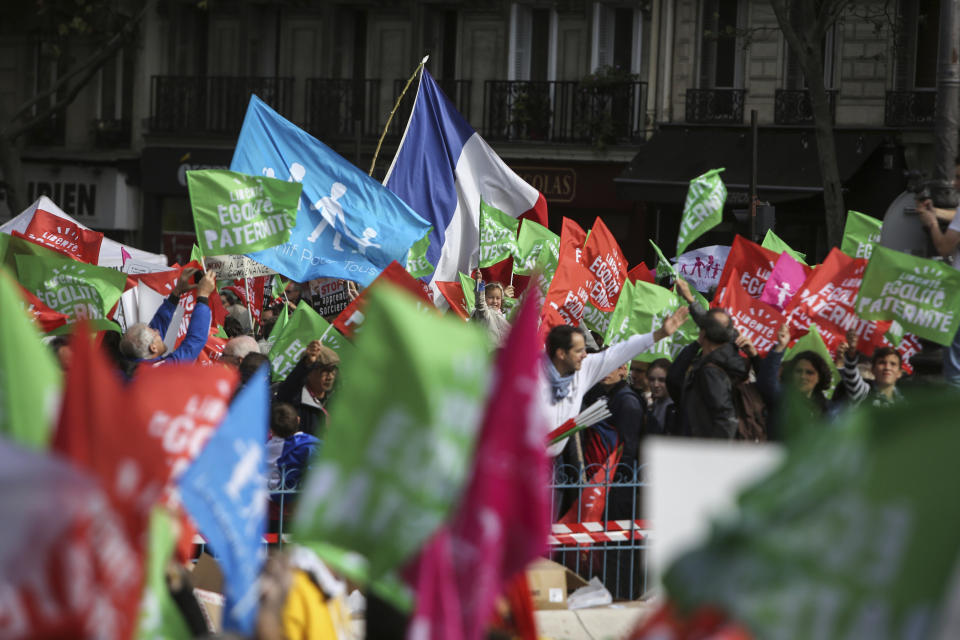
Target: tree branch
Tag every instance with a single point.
(830, 12)
(94, 62)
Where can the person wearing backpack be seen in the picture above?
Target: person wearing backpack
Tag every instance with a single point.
(703, 376)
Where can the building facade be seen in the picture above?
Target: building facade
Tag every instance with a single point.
(608, 108)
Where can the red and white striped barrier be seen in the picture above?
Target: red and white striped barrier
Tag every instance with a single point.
(591, 532)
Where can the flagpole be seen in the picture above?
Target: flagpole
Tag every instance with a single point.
(373, 163)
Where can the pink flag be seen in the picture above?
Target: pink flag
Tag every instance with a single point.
(503, 519)
(785, 281)
(124, 255)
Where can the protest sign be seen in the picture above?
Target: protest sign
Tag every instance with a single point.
(754, 319)
(30, 378)
(418, 265)
(774, 243)
(860, 234)
(397, 448)
(703, 208)
(537, 247)
(81, 291)
(64, 236)
(702, 267)
(826, 299)
(603, 257)
(503, 516)
(922, 295)
(225, 491)
(235, 213)
(498, 235)
(785, 281)
(232, 267)
(328, 296)
(303, 327)
(830, 544)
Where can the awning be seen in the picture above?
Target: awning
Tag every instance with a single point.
(788, 167)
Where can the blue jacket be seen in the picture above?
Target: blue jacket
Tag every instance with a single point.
(197, 331)
(297, 451)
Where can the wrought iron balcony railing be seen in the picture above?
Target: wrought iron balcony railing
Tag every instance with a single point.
(564, 111)
(710, 106)
(793, 106)
(196, 104)
(339, 108)
(910, 108)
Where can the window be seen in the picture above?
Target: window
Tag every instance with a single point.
(533, 43)
(721, 52)
(617, 38)
(916, 45)
(793, 76)
(440, 41)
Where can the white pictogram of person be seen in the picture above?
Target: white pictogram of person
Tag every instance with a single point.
(332, 211)
(783, 292)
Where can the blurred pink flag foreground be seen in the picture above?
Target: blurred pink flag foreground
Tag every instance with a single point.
(503, 519)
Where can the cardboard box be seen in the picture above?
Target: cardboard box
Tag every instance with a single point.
(550, 583)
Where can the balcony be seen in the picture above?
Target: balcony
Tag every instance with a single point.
(916, 108)
(339, 108)
(213, 105)
(793, 106)
(564, 111)
(715, 106)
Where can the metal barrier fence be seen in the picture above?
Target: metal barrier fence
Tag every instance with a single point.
(601, 536)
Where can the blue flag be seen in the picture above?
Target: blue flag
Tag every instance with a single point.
(348, 225)
(225, 491)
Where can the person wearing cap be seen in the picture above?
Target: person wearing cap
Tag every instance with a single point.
(309, 385)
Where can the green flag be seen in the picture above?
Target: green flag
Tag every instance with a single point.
(80, 290)
(235, 213)
(13, 247)
(703, 209)
(643, 310)
(30, 379)
(160, 617)
(498, 235)
(538, 248)
(278, 326)
(468, 285)
(850, 537)
(276, 287)
(302, 328)
(417, 263)
(398, 446)
(860, 234)
(664, 269)
(812, 341)
(595, 319)
(776, 244)
(922, 295)
(196, 254)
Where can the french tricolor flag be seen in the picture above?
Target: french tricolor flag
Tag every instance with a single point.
(442, 169)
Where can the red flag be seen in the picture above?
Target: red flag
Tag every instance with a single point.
(603, 257)
(827, 299)
(43, 316)
(452, 292)
(754, 319)
(503, 519)
(65, 236)
(909, 346)
(351, 317)
(568, 295)
(754, 264)
(641, 272)
(212, 350)
(572, 238)
(70, 568)
(140, 437)
(594, 497)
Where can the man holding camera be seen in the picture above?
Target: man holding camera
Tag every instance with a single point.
(947, 244)
(702, 376)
